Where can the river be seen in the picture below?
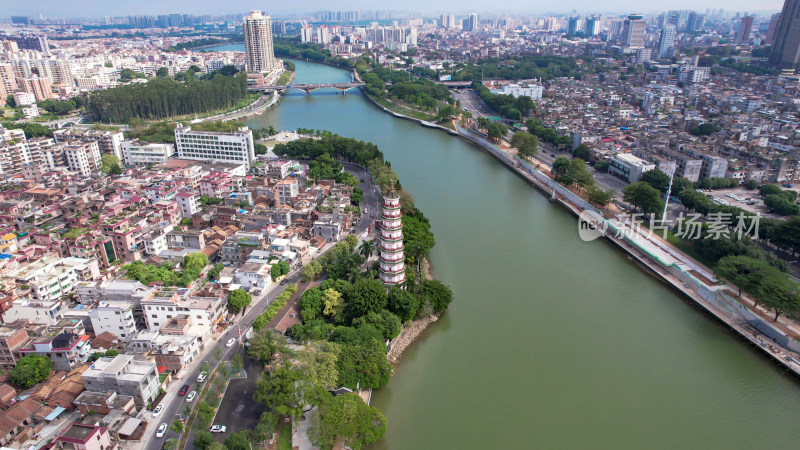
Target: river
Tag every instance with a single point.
(551, 342)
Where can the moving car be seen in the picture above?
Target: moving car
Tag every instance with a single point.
(162, 430)
(230, 342)
(218, 429)
(184, 390)
(191, 396)
(284, 281)
(201, 377)
(157, 411)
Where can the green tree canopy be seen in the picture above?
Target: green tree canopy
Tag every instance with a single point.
(656, 179)
(265, 344)
(402, 303)
(30, 369)
(526, 143)
(239, 299)
(644, 197)
(348, 417)
(367, 295)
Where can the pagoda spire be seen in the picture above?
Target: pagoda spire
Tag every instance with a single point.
(392, 257)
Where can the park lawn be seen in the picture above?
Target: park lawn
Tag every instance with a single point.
(688, 248)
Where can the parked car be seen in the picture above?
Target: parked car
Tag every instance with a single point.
(201, 377)
(191, 396)
(184, 390)
(157, 410)
(218, 429)
(162, 430)
(284, 281)
(230, 342)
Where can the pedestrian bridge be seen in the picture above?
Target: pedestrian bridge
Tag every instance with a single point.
(307, 88)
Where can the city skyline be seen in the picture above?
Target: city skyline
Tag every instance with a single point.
(94, 8)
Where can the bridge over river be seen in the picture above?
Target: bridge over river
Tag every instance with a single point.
(307, 87)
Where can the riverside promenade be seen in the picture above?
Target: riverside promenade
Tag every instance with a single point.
(778, 340)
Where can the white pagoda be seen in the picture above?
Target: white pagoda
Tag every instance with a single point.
(393, 267)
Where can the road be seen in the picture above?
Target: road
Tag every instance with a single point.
(174, 404)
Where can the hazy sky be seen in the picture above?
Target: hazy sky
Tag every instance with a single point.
(94, 8)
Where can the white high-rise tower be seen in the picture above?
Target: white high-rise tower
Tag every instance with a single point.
(258, 41)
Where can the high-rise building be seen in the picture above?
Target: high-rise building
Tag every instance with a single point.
(574, 24)
(39, 87)
(695, 22)
(743, 32)
(447, 21)
(392, 264)
(593, 25)
(633, 31)
(786, 50)
(471, 24)
(307, 34)
(83, 158)
(773, 26)
(666, 45)
(258, 42)
(279, 27)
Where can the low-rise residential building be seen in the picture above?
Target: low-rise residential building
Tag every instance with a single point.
(629, 167)
(136, 153)
(115, 317)
(50, 279)
(188, 202)
(67, 350)
(125, 375)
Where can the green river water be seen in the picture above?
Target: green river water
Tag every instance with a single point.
(551, 342)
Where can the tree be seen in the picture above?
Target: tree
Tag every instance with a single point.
(656, 179)
(417, 235)
(777, 292)
(578, 173)
(347, 416)
(265, 344)
(367, 249)
(526, 143)
(367, 295)
(745, 272)
(162, 72)
(237, 441)
(402, 303)
(177, 426)
(278, 391)
(108, 161)
(239, 299)
(387, 323)
(752, 184)
(197, 261)
(334, 307)
(30, 369)
(237, 364)
(644, 197)
(10, 102)
(437, 294)
(599, 196)
(364, 365)
(202, 438)
(310, 271)
(446, 111)
(524, 104)
(560, 166)
(171, 444)
(317, 362)
(582, 152)
(311, 304)
(704, 129)
(496, 131)
(601, 166)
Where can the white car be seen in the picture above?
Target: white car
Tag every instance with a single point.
(191, 396)
(157, 411)
(218, 429)
(162, 430)
(230, 342)
(201, 377)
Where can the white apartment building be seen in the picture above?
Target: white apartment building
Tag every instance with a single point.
(116, 317)
(51, 278)
(169, 303)
(259, 55)
(231, 147)
(188, 202)
(83, 158)
(24, 98)
(135, 153)
(43, 312)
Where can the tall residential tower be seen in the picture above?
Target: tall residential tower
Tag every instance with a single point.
(786, 50)
(258, 40)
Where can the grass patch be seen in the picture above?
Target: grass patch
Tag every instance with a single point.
(688, 248)
(404, 111)
(285, 438)
(285, 77)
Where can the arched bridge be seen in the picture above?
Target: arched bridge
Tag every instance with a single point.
(307, 88)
